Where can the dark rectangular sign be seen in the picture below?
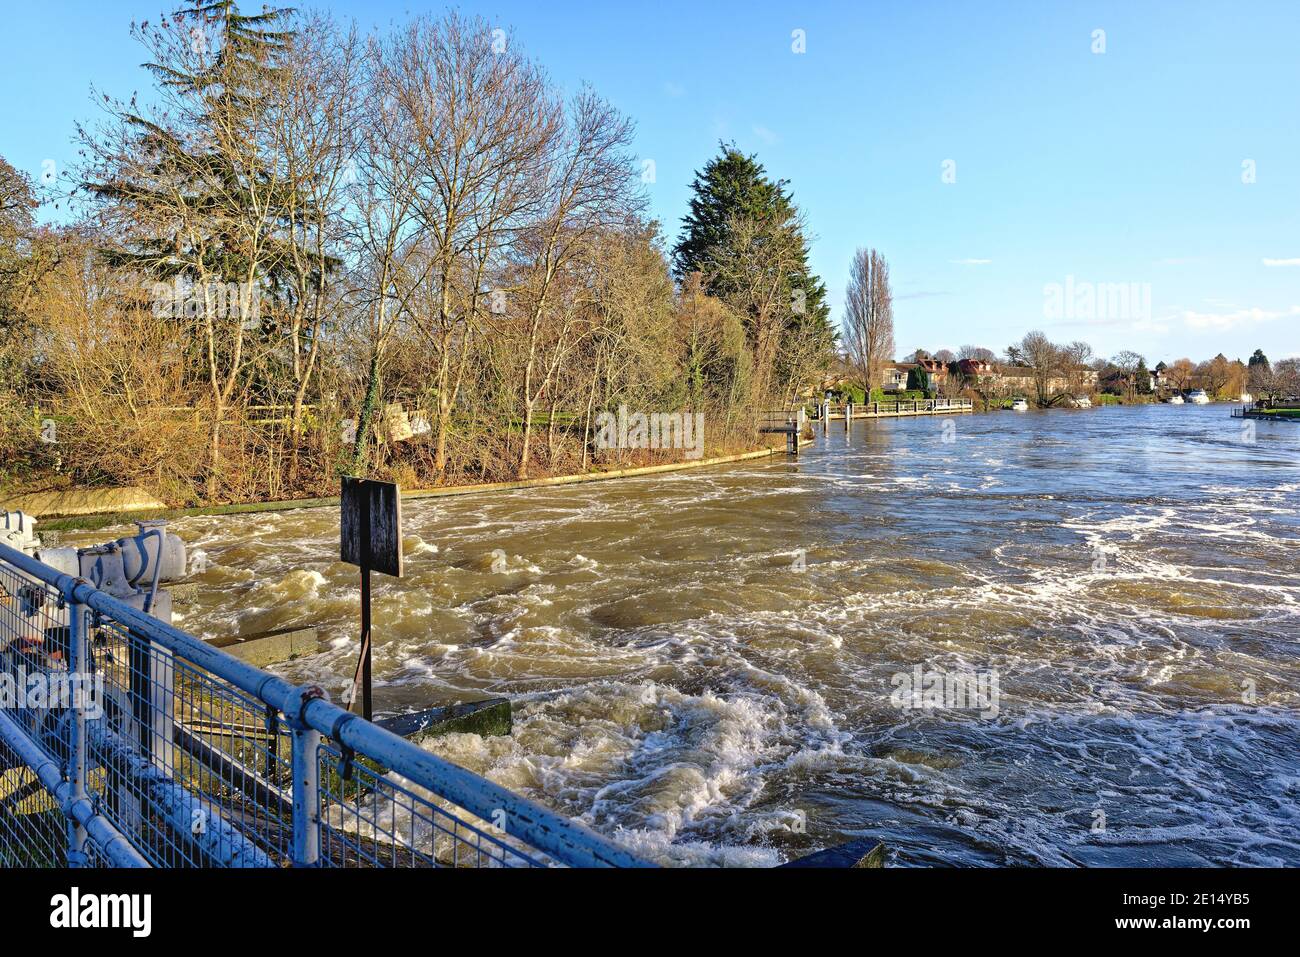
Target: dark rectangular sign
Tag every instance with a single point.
(370, 527)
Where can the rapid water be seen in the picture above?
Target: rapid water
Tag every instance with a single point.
(704, 664)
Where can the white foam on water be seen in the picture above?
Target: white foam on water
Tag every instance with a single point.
(680, 689)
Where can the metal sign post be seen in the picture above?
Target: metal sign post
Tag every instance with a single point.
(370, 536)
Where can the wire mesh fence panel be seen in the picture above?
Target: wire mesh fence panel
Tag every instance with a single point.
(193, 769)
(36, 685)
(33, 830)
(33, 664)
(371, 817)
(153, 748)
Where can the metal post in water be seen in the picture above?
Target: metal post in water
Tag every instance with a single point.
(366, 705)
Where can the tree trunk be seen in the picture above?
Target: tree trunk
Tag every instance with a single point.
(214, 448)
(526, 450)
(366, 416)
(586, 427)
(550, 431)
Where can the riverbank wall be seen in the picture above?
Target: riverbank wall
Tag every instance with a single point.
(99, 509)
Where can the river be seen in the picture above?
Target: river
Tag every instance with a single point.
(707, 665)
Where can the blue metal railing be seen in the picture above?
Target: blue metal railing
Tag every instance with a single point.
(192, 757)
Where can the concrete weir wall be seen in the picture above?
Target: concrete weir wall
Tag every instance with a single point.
(95, 501)
(98, 509)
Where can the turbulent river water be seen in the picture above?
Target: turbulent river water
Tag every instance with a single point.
(711, 666)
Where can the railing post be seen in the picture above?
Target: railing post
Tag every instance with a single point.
(79, 669)
(306, 794)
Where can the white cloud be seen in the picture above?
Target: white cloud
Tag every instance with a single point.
(970, 262)
(1282, 262)
(674, 90)
(764, 134)
(1219, 321)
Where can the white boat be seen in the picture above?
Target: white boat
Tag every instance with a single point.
(1246, 398)
(1019, 405)
(1198, 397)
(1175, 399)
(1082, 402)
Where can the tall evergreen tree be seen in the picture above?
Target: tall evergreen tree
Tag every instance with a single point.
(205, 155)
(195, 188)
(738, 214)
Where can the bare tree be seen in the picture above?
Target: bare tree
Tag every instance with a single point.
(315, 131)
(384, 229)
(484, 124)
(1044, 362)
(1215, 374)
(1075, 359)
(588, 190)
(977, 354)
(869, 316)
(1181, 373)
(1128, 363)
(1285, 380)
(756, 264)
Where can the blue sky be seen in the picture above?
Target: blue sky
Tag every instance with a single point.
(1067, 165)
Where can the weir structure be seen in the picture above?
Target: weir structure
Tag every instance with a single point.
(126, 742)
(791, 423)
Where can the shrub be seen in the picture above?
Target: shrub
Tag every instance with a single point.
(907, 395)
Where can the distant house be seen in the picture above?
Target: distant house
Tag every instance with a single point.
(894, 375)
(977, 368)
(1001, 377)
(1014, 378)
(938, 370)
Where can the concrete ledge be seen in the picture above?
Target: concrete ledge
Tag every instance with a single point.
(271, 647)
(862, 853)
(82, 502)
(102, 518)
(487, 718)
(588, 476)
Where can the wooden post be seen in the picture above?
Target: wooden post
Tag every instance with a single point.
(848, 415)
